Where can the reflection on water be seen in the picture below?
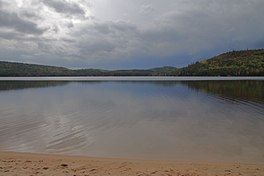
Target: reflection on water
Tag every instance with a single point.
(13, 85)
(195, 120)
(242, 90)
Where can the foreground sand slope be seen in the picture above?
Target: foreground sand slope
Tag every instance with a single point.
(23, 164)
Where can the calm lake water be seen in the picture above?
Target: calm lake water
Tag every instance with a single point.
(203, 120)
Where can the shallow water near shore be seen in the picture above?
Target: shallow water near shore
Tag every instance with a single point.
(193, 120)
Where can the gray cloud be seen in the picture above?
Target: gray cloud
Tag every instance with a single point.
(10, 35)
(62, 6)
(29, 15)
(12, 20)
(129, 31)
(111, 40)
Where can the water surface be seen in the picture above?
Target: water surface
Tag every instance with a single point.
(212, 120)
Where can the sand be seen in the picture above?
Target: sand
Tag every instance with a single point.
(25, 164)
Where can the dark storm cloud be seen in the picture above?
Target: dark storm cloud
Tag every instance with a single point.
(13, 21)
(61, 6)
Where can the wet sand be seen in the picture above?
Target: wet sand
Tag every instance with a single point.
(25, 164)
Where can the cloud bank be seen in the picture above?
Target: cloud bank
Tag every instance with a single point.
(126, 34)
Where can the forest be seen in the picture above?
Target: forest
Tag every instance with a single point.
(234, 63)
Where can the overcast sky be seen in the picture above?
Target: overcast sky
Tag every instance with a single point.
(127, 33)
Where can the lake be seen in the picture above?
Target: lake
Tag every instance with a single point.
(185, 119)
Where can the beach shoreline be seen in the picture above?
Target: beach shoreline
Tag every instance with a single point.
(23, 164)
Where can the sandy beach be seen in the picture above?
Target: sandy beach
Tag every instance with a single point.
(25, 164)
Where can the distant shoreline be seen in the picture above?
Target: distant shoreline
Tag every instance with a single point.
(236, 63)
(133, 78)
(40, 164)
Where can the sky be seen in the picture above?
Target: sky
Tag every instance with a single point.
(115, 34)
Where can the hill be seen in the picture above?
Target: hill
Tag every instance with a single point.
(13, 69)
(21, 69)
(235, 63)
